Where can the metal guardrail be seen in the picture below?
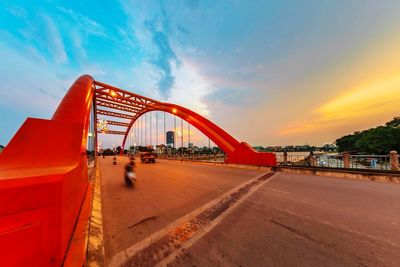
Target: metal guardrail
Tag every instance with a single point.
(377, 162)
(371, 162)
(374, 162)
(200, 157)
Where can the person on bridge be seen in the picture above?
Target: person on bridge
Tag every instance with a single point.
(130, 176)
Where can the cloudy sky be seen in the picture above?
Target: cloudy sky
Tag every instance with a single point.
(268, 72)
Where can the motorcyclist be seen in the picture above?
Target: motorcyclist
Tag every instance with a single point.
(130, 173)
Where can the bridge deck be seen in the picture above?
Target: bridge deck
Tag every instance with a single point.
(165, 191)
(287, 220)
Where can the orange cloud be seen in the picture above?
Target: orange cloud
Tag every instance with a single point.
(380, 97)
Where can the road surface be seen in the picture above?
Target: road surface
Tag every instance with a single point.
(287, 220)
(165, 191)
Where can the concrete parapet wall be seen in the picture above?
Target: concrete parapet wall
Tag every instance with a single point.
(371, 175)
(357, 174)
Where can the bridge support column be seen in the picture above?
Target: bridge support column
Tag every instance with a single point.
(346, 159)
(394, 161)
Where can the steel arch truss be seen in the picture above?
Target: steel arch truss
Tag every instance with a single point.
(127, 107)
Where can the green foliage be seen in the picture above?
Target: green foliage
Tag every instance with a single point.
(395, 123)
(379, 140)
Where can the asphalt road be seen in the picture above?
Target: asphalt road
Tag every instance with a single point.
(165, 191)
(290, 220)
(296, 220)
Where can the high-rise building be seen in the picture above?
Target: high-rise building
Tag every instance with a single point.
(170, 138)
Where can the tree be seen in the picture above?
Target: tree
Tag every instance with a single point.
(395, 123)
(379, 140)
(348, 142)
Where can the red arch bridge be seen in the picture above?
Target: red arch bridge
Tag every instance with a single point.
(56, 209)
(44, 195)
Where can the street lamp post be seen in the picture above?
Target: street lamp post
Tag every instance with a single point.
(180, 135)
(174, 133)
(209, 145)
(182, 138)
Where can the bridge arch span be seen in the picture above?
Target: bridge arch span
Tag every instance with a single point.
(237, 152)
(47, 195)
(221, 138)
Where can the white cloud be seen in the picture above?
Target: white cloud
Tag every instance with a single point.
(190, 87)
(32, 85)
(55, 42)
(89, 25)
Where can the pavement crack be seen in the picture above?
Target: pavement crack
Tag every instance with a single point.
(296, 231)
(142, 221)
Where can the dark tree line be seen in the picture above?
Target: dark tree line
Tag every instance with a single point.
(379, 140)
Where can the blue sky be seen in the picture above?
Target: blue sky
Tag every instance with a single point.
(268, 72)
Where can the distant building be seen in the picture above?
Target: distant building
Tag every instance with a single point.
(190, 145)
(161, 149)
(170, 138)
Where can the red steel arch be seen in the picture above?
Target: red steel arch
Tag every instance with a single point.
(133, 106)
(44, 185)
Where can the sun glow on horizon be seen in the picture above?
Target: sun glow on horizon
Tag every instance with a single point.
(378, 97)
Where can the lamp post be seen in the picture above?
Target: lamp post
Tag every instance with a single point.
(131, 142)
(180, 135)
(115, 155)
(174, 133)
(209, 148)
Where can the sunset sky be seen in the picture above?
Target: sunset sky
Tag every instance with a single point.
(268, 72)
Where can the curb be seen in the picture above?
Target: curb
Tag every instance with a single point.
(96, 253)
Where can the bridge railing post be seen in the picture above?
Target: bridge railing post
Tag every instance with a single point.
(394, 161)
(346, 159)
(285, 156)
(312, 159)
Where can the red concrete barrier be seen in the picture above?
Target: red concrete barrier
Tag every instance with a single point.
(43, 181)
